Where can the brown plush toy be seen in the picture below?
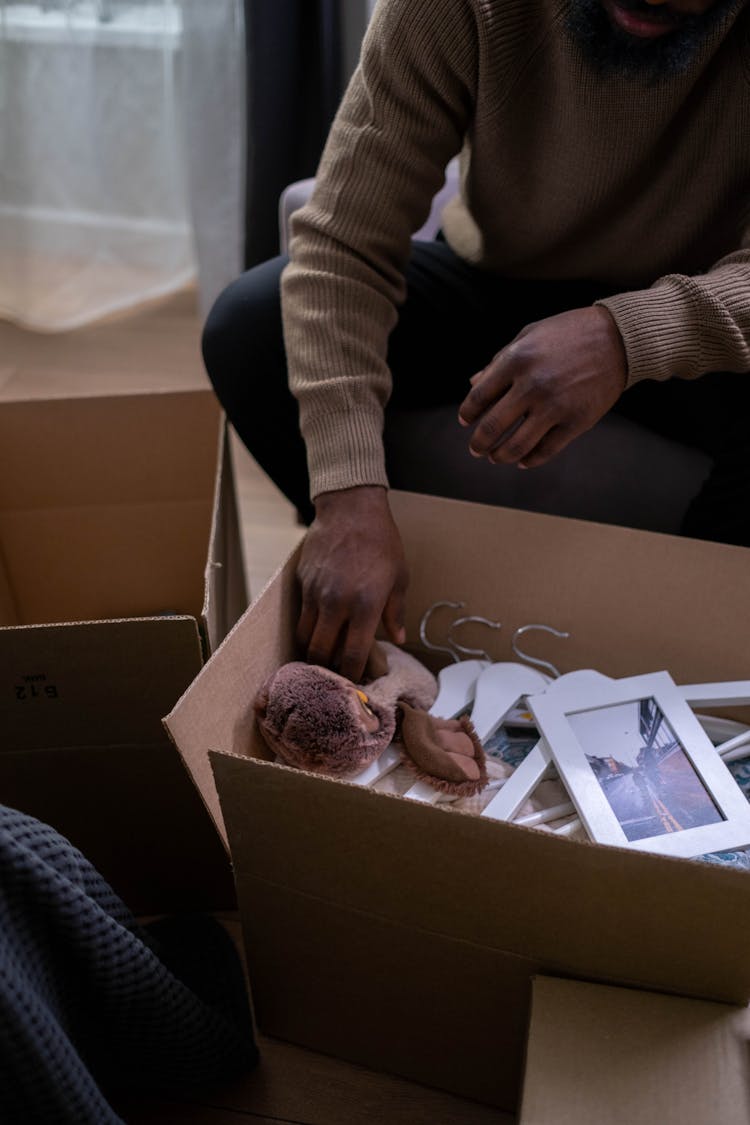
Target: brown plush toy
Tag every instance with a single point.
(319, 721)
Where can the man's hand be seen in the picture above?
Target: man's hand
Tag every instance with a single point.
(549, 385)
(353, 575)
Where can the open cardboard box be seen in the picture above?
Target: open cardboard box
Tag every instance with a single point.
(405, 937)
(120, 570)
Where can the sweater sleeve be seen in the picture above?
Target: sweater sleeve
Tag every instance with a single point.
(685, 326)
(403, 117)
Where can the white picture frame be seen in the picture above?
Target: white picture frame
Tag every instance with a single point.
(538, 763)
(726, 693)
(661, 786)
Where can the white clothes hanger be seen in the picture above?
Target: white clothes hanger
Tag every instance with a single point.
(536, 765)
(499, 690)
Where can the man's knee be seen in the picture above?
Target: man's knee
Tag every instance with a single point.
(244, 321)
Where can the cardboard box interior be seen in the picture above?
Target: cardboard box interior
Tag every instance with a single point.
(597, 1053)
(386, 931)
(120, 568)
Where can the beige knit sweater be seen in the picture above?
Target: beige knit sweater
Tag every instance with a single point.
(564, 174)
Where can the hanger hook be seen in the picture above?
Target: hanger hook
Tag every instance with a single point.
(553, 671)
(449, 648)
(472, 651)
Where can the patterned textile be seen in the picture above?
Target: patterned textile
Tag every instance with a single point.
(91, 1003)
(740, 770)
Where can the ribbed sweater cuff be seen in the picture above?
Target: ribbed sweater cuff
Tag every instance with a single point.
(661, 337)
(343, 451)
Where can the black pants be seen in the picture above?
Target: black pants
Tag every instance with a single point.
(454, 320)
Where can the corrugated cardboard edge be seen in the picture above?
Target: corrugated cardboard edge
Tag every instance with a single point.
(190, 726)
(598, 1053)
(225, 594)
(8, 609)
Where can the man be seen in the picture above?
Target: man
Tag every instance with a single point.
(598, 254)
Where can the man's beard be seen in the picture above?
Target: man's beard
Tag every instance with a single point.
(613, 51)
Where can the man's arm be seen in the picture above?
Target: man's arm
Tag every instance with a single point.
(685, 326)
(403, 117)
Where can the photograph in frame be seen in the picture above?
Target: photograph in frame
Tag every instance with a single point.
(649, 781)
(639, 767)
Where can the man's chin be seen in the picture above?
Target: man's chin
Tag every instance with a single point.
(627, 40)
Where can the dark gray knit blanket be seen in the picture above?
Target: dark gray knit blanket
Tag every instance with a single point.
(91, 1004)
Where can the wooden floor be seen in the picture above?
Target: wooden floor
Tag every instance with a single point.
(302, 1088)
(158, 348)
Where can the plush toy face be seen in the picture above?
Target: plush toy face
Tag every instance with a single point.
(319, 721)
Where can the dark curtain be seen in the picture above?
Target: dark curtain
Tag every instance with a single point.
(294, 84)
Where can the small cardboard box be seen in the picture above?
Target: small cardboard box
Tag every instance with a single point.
(120, 570)
(404, 936)
(600, 1054)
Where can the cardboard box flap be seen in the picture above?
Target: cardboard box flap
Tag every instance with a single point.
(225, 589)
(452, 873)
(632, 601)
(241, 661)
(8, 611)
(106, 505)
(94, 563)
(93, 683)
(107, 450)
(601, 1054)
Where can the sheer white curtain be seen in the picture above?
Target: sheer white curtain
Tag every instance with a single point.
(102, 172)
(214, 101)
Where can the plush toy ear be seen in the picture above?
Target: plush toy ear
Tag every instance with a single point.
(444, 752)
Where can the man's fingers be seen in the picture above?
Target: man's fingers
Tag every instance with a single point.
(498, 424)
(394, 612)
(521, 440)
(486, 387)
(323, 645)
(344, 634)
(493, 434)
(306, 624)
(358, 641)
(473, 381)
